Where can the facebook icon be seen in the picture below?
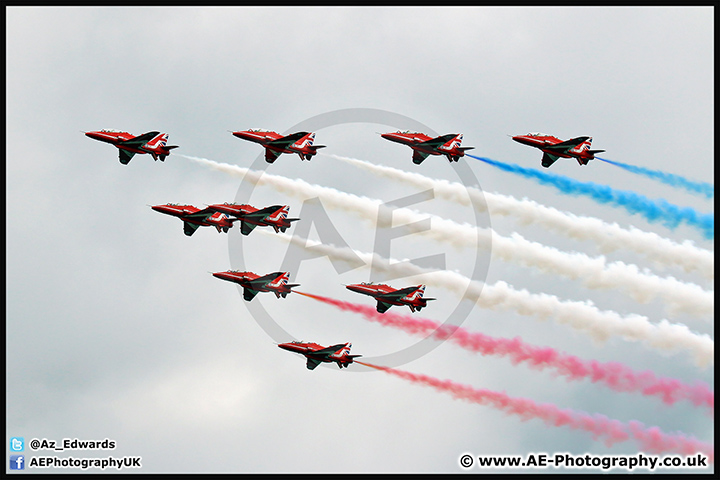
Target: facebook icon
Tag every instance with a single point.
(17, 462)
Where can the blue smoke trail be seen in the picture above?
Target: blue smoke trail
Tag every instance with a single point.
(653, 210)
(702, 188)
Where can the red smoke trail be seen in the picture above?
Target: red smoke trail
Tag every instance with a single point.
(615, 375)
(652, 440)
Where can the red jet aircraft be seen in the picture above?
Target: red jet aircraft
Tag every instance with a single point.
(422, 145)
(317, 354)
(275, 144)
(388, 296)
(193, 217)
(251, 217)
(154, 143)
(253, 284)
(554, 148)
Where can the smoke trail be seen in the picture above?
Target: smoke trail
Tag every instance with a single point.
(653, 210)
(702, 188)
(614, 375)
(651, 440)
(593, 272)
(582, 316)
(608, 237)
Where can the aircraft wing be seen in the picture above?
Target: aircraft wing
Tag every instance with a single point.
(271, 155)
(382, 307)
(189, 228)
(283, 142)
(329, 350)
(397, 294)
(202, 214)
(263, 212)
(566, 145)
(264, 280)
(249, 294)
(125, 156)
(437, 141)
(418, 157)
(312, 363)
(246, 227)
(140, 140)
(548, 159)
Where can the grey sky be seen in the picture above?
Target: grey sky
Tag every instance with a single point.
(115, 329)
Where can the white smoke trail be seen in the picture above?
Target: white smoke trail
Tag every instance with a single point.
(608, 237)
(583, 316)
(596, 273)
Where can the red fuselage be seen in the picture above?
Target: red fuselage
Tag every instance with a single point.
(387, 295)
(448, 145)
(154, 143)
(275, 143)
(110, 136)
(195, 216)
(554, 148)
(315, 353)
(372, 289)
(276, 283)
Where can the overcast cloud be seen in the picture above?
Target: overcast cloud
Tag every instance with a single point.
(116, 329)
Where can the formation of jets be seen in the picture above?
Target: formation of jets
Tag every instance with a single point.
(302, 143)
(388, 296)
(223, 216)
